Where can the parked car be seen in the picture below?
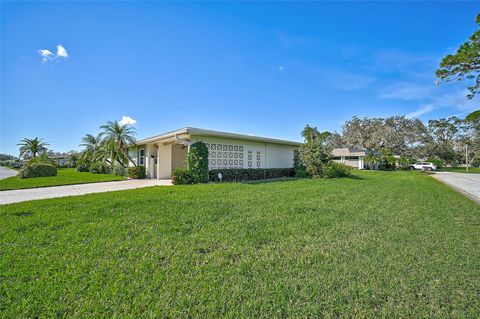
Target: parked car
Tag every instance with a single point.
(424, 166)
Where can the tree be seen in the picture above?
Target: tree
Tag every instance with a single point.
(7, 157)
(314, 155)
(117, 138)
(197, 160)
(72, 159)
(92, 148)
(335, 140)
(372, 159)
(445, 135)
(469, 138)
(309, 133)
(397, 133)
(464, 64)
(32, 147)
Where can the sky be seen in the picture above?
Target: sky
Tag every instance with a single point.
(265, 68)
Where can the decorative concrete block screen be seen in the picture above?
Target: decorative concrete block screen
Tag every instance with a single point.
(232, 156)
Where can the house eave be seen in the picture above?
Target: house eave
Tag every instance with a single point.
(204, 132)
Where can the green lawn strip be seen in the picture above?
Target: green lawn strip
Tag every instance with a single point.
(387, 244)
(65, 176)
(473, 170)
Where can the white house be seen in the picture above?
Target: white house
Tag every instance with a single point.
(162, 154)
(350, 156)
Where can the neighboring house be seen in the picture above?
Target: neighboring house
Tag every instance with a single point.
(162, 154)
(353, 157)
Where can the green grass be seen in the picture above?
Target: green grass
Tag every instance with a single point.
(384, 244)
(65, 176)
(474, 170)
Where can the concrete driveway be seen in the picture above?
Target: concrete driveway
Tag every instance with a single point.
(7, 172)
(21, 195)
(469, 184)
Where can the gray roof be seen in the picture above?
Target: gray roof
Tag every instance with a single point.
(348, 152)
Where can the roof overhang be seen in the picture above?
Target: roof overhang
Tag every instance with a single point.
(193, 131)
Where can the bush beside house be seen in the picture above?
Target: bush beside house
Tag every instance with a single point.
(249, 174)
(182, 176)
(137, 172)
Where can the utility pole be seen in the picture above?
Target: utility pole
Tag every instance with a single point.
(466, 155)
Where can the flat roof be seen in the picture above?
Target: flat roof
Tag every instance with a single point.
(205, 132)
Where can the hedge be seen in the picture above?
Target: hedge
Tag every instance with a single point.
(137, 172)
(249, 174)
(197, 162)
(37, 170)
(182, 176)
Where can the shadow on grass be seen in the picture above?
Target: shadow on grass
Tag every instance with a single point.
(289, 179)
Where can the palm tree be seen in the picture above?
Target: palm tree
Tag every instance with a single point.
(309, 133)
(117, 139)
(72, 159)
(92, 148)
(32, 147)
(312, 134)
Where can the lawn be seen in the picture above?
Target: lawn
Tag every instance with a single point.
(383, 244)
(65, 176)
(474, 170)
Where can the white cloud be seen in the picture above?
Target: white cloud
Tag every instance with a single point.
(456, 100)
(406, 91)
(424, 109)
(61, 51)
(47, 55)
(127, 120)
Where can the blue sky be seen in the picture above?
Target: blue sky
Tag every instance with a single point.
(256, 68)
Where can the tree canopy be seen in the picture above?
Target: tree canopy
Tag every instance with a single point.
(464, 64)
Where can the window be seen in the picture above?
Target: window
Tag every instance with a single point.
(142, 156)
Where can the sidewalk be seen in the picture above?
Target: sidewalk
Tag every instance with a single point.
(21, 195)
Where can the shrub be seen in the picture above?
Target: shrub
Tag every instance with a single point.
(405, 162)
(137, 172)
(99, 168)
(119, 170)
(182, 176)
(249, 174)
(37, 170)
(315, 156)
(197, 161)
(298, 166)
(436, 161)
(335, 169)
(83, 168)
(42, 159)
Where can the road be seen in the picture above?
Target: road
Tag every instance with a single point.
(7, 172)
(469, 184)
(21, 195)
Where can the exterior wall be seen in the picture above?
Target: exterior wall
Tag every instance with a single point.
(179, 156)
(164, 161)
(233, 153)
(355, 163)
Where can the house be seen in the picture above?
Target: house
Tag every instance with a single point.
(353, 157)
(162, 154)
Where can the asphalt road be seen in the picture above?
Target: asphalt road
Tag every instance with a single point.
(466, 183)
(6, 172)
